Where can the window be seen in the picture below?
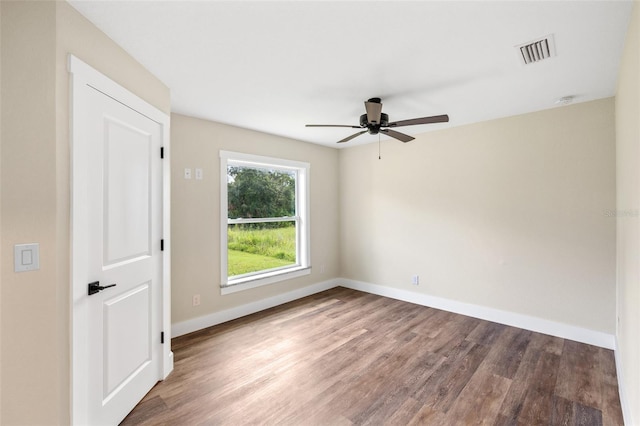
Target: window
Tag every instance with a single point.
(264, 220)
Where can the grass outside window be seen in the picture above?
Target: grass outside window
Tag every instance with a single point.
(251, 250)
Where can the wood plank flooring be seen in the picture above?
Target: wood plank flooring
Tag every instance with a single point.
(343, 357)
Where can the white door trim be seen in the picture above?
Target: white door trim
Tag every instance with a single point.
(83, 75)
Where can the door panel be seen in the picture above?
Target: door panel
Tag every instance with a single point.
(127, 337)
(128, 185)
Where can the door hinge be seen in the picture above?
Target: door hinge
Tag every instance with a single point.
(162, 245)
(162, 152)
(162, 337)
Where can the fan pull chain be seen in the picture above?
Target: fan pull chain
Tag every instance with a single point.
(379, 154)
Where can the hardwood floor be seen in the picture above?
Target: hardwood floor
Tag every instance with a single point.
(343, 357)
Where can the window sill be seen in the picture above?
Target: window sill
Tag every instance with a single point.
(242, 284)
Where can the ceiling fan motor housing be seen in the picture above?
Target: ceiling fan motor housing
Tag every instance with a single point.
(374, 128)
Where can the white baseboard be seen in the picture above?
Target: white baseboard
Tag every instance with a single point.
(565, 331)
(552, 328)
(195, 324)
(626, 414)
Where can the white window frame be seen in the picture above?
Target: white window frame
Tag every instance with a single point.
(303, 257)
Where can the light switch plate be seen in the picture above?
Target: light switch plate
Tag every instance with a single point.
(26, 257)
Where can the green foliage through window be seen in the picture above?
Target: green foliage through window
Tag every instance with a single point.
(265, 220)
(260, 193)
(252, 250)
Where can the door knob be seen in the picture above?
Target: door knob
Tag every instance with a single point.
(95, 287)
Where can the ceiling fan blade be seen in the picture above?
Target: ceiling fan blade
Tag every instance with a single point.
(332, 125)
(400, 136)
(424, 120)
(347, 139)
(374, 110)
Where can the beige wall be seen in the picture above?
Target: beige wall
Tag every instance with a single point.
(195, 212)
(31, 350)
(507, 214)
(0, 212)
(36, 38)
(628, 205)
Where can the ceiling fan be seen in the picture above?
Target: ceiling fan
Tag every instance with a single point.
(375, 121)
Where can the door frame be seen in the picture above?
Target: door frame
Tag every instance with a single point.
(84, 78)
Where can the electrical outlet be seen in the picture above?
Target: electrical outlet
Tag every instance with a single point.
(415, 279)
(198, 174)
(196, 299)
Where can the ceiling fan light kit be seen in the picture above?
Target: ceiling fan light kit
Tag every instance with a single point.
(374, 121)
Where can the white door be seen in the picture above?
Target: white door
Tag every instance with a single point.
(118, 257)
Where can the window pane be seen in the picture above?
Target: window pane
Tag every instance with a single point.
(257, 247)
(260, 192)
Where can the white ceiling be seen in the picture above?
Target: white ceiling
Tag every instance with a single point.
(276, 66)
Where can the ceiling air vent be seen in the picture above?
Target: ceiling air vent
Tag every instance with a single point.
(537, 50)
